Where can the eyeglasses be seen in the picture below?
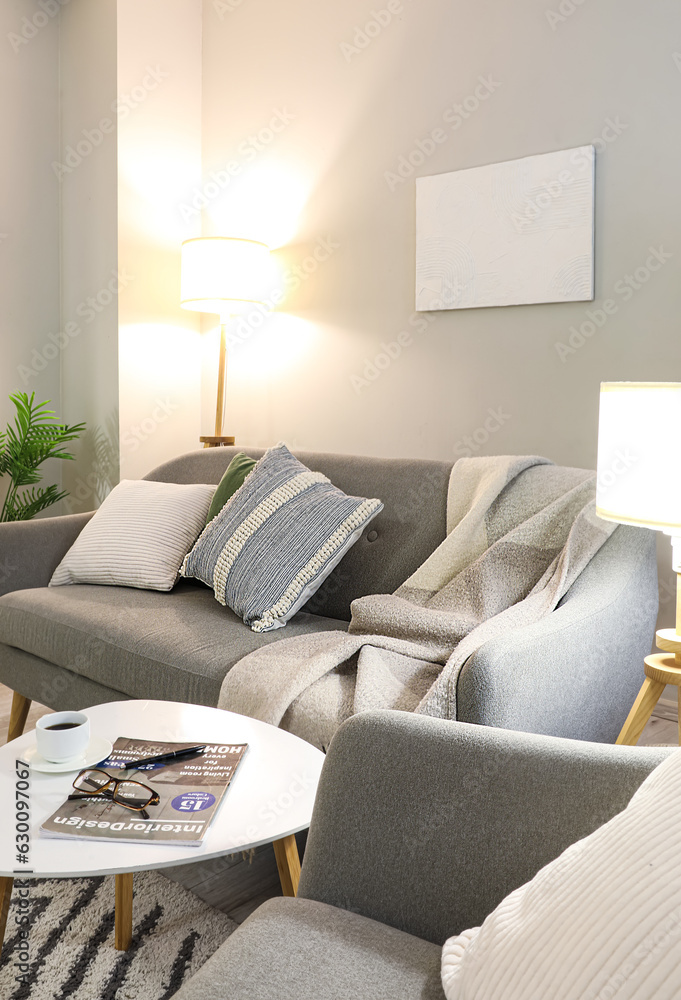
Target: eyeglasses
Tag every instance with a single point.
(131, 794)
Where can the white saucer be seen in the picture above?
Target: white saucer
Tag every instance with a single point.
(97, 749)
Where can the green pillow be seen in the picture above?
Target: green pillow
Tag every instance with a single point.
(237, 470)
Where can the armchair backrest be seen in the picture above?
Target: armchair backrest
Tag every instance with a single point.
(426, 825)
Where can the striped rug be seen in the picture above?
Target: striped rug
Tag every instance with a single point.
(71, 954)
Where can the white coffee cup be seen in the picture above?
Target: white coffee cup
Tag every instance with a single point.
(62, 736)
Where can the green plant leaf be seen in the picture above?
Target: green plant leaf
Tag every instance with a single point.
(32, 502)
(35, 437)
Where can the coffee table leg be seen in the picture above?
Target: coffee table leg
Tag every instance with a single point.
(5, 895)
(288, 863)
(123, 933)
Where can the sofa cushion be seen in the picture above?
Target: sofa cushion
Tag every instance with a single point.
(233, 479)
(297, 949)
(138, 537)
(277, 539)
(175, 646)
(411, 524)
(601, 920)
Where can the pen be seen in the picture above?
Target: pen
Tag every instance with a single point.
(165, 758)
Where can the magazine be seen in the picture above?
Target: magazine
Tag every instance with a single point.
(190, 792)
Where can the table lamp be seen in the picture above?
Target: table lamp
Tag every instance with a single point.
(223, 275)
(639, 482)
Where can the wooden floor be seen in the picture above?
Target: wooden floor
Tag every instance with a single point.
(663, 728)
(237, 885)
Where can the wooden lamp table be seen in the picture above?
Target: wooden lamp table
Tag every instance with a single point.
(660, 669)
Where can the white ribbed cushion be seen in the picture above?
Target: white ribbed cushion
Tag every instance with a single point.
(138, 537)
(601, 922)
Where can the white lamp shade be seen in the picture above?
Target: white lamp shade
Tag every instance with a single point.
(639, 473)
(223, 275)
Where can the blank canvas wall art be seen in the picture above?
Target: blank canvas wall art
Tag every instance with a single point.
(511, 233)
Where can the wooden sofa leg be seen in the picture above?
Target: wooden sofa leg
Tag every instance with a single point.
(18, 716)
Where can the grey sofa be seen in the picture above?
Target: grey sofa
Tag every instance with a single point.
(574, 674)
(420, 828)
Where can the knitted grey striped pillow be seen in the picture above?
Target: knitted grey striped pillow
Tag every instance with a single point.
(138, 537)
(277, 539)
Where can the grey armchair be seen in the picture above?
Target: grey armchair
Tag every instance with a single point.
(420, 828)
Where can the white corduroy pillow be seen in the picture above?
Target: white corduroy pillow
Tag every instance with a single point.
(601, 922)
(138, 537)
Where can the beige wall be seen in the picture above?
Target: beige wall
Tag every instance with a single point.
(159, 163)
(359, 106)
(90, 276)
(29, 208)
(309, 111)
(131, 149)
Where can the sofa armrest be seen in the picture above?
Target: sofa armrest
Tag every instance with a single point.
(576, 672)
(30, 551)
(426, 824)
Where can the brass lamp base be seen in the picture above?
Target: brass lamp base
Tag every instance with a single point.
(219, 439)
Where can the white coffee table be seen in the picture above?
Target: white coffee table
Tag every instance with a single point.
(269, 800)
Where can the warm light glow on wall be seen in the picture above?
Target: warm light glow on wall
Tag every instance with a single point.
(157, 354)
(274, 350)
(264, 202)
(155, 181)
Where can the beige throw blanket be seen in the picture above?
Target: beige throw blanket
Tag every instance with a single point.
(519, 533)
